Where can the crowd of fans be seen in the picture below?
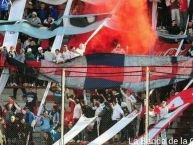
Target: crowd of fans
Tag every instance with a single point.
(173, 14)
(175, 17)
(18, 124)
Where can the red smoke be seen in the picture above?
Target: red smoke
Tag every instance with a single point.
(135, 34)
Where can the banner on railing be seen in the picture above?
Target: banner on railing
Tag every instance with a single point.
(159, 127)
(114, 129)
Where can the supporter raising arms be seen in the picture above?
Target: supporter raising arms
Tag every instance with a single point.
(117, 111)
(77, 111)
(129, 99)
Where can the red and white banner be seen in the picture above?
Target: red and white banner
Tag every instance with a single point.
(160, 126)
(180, 101)
(181, 98)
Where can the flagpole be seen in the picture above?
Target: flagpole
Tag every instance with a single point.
(96, 31)
(147, 106)
(188, 85)
(62, 111)
(103, 23)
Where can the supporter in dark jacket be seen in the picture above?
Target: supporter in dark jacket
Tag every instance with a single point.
(40, 54)
(53, 12)
(42, 12)
(117, 95)
(24, 132)
(190, 9)
(164, 18)
(87, 111)
(47, 139)
(11, 131)
(105, 115)
(174, 29)
(31, 98)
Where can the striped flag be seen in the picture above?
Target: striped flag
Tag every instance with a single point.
(98, 71)
(106, 70)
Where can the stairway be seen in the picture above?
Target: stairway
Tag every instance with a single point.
(181, 130)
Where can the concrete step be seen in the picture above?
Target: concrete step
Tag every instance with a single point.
(7, 92)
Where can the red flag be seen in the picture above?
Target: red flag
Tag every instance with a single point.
(181, 98)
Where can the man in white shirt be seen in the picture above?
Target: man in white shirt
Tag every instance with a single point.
(116, 115)
(117, 112)
(77, 111)
(129, 99)
(163, 114)
(98, 110)
(152, 116)
(58, 57)
(66, 53)
(164, 110)
(76, 52)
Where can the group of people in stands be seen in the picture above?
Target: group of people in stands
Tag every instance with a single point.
(17, 124)
(173, 14)
(36, 53)
(109, 105)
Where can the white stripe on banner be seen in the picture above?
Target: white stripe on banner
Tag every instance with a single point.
(16, 13)
(59, 2)
(59, 38)
(44, 98)
(161, 125)
(53, 2)
(82, 123)
(114, 129)
(191, 143)
(97, 2)
(3, 79)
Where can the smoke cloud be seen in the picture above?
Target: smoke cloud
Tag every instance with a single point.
(129, 25)
(133, 29)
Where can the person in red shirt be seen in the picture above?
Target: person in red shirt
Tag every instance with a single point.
(183, 13)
